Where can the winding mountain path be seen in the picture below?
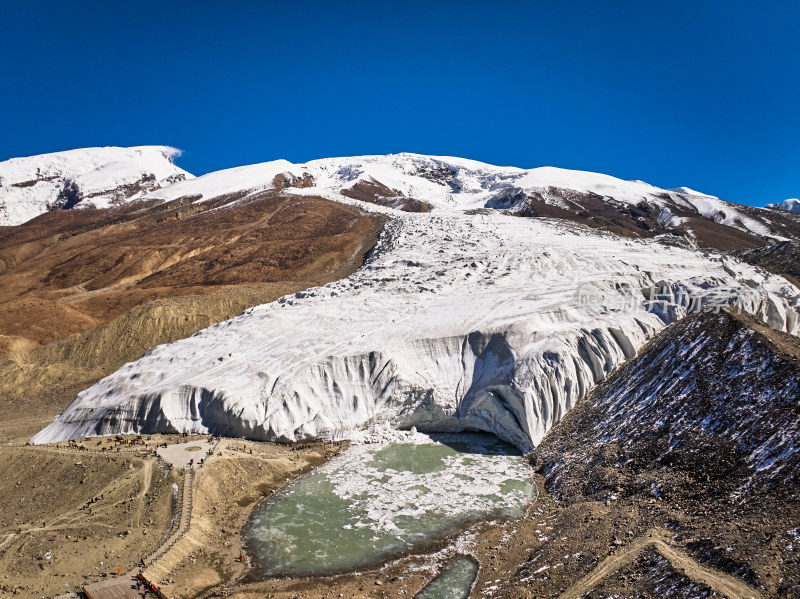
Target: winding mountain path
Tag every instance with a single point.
(659, 540)
(146, 477)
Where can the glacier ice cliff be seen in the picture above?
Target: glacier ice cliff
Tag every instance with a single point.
(457, 321)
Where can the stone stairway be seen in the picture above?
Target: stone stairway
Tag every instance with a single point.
(120, 588)
(183, 524)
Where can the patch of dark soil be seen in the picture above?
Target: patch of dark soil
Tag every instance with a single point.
(644, 218)
(709, 552)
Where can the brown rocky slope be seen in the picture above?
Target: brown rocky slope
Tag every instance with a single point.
(84, 291)
(678, 475)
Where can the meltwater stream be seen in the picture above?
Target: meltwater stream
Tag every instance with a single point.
(455, 581)
(377, 501)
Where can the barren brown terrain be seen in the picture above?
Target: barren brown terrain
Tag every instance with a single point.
(68, 271)
(75, 512)
(702, 519)
(70, 516)
(84, 291)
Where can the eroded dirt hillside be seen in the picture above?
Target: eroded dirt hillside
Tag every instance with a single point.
(82, 292)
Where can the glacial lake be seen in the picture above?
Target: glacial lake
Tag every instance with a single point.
(377, 501)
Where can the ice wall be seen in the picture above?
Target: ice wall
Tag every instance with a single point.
(457, 321)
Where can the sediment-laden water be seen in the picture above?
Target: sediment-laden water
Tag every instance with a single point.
(455, 581)
(379, 500)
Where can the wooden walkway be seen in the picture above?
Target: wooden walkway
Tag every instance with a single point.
(121, 587)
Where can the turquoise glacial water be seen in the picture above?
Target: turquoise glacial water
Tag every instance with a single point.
(374, 502)
(455, 582)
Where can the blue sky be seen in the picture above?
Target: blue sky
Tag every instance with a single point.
(701, 94)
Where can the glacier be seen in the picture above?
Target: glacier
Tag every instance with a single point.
(464, 318)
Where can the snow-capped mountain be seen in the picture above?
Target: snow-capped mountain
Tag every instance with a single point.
(414, 182)
(465, 316)
(85, 178)
(790, 205)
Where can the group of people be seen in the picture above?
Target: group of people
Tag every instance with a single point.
(144, 585)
